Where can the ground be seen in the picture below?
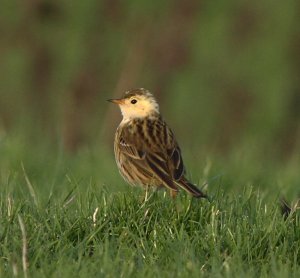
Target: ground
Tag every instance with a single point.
(73, 216)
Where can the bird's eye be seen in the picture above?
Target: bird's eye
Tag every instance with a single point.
(134, 101)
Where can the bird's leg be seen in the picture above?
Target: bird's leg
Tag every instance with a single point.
(173, 194)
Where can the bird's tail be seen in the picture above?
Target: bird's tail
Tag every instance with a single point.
(191, 188)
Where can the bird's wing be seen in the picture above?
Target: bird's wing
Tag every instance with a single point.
(130, 149)
(167, 148)
(175, 162)
(160, 169)
(149, 149)
(164, 156)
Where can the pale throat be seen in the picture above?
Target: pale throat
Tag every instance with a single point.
(130, 113)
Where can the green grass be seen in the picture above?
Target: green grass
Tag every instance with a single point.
(241, 232)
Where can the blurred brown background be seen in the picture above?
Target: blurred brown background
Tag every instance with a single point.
(226, 73)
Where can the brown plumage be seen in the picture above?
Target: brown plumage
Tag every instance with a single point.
(145, 148)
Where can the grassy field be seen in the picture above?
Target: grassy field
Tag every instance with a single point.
(72, 216)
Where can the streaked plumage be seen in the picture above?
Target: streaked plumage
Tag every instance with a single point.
(145, 148)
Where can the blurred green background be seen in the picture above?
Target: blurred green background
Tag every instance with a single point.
(226, 74)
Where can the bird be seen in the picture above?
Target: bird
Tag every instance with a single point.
(146, 151)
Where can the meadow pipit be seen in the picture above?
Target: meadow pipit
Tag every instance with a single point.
(146, 150)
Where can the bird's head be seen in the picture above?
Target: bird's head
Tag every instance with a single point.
(137, 103)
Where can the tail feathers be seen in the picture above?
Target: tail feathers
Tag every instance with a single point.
(191, 188)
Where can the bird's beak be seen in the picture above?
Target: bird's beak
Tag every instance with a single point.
(117, 101)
